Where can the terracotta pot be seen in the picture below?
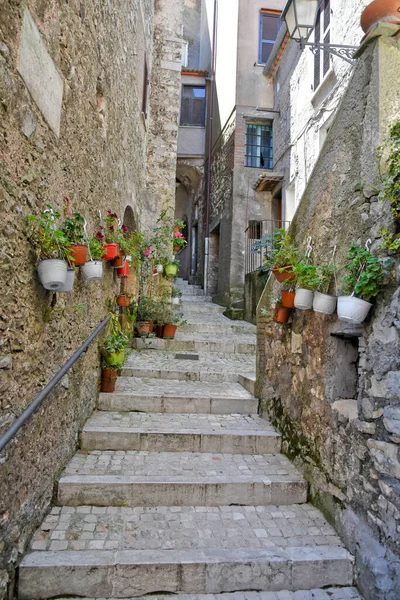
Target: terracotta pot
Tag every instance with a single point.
(288, 299)
(124, 270)
(123, 300)
(118, 262)
(286, 275)
(176, 248)
(78, 254)
(111, 251)
(386, 11)
(282, 313)
(169, 332)
(108, 379)
(143, 328)
(158, 330)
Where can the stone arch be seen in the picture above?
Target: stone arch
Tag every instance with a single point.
(129, 219)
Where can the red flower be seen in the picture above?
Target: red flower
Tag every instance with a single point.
(99, 236)
(124, 228)
(147, 252)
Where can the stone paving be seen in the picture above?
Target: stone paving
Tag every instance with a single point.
(326, 594)
(183, 528)
(181, 389)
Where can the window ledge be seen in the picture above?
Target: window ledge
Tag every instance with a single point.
(192, 126)
(326, 85)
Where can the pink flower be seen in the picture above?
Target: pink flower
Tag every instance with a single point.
(147, 252)
(178, 234)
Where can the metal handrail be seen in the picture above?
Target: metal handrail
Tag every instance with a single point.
(34, 405)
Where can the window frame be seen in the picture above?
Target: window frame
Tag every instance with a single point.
(197, 86)
(249, 155)
(266, 13)
(322, 34)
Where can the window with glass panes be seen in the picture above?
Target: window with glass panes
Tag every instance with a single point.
(269, 27)
(258, 146)
(322, 33)
(193, 105)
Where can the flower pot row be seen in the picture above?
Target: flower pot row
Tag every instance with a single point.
(145, 328)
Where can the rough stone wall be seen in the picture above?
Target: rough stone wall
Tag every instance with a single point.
(334, 390)
(165, 101)
(97, 160)
(222, 171)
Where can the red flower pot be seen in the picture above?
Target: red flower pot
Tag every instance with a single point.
(111, 251)
(386, 11)
(78, 253)
(143, 328)
(124, 270)
(118, 261)
(177, 248)
(288, 299)
(287, 274)
(282, 313)
(123, 300)
(169, 332)
(108, 379)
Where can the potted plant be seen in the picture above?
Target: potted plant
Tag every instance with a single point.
(173, 320)
(288, 295)
(160, 315)
(306, 278)
(123, 271)
(171, 268)
(176, 295)
(324, 303)
(70, 280)
(50, 247)
(282, 256)
(114, 344)
(360, 284)
(145, 316)
(93, 269)
(282, 313)
(109, 376)
(110, 236)
(75, 236)
(123, 299)
(179, 239)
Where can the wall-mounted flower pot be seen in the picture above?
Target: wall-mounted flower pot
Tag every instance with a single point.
(111, 251)
(288, 299)
(158, 330)
(52, 273)
(92, 270)
(324, 303)
(175, 300)
(386, 11)
(286, 275)
(78, 254)
(303, 299)
(143, 328)
(69, 283)
(171, 270)
(123, 300)
(159, 268)
(118, 261)
(169, 332)
(108, 379)
(352, 309)
(282, 313)
(124, 270)
(176, 248)
(115, 358)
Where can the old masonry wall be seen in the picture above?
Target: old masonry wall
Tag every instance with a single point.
(71, 89)
(333, 391)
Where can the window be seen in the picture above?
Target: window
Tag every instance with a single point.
(193, 107)
(146, 83)
(322, 34)
(269, 27)
(258, 146)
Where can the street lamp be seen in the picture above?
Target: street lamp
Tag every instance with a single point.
(300, 17)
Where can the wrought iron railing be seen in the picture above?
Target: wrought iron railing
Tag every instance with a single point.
(259, 241)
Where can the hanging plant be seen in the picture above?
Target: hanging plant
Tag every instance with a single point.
(73, 230)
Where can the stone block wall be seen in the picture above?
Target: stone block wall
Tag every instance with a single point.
(333, 390)
(81, 136)
(222, 171)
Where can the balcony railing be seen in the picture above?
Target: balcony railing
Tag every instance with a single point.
(259, 241)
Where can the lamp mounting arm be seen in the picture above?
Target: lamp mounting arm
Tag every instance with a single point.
(340, 50)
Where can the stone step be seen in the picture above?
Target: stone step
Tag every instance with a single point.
(161, 432)
(191, 291)
(226, 327)
(232, 345)
(198, 305)
(200, 299)
(179, 479)
(125, 552)
(210, 367)
(172, 396)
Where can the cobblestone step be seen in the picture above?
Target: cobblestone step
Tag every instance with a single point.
(246, 345)
(161, 432)
(222, 325)
(122, 552)
(179, 479)
(197, 299)
(171, 396)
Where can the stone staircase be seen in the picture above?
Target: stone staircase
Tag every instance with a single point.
(179, 487)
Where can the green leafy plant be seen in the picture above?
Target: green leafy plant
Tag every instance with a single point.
(175, 292)
(96, 248)
(391, 188)
(324, 276)
(47, 240)
(116, 340)
(146, 309)
(283, 252)
(306, 275)
(73, 229)
(363, 273)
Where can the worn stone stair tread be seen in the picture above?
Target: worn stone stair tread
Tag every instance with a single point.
(175, 479)
(336, 593)
(245, 344)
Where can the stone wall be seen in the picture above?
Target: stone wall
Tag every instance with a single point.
(70, 124)
(331, 389)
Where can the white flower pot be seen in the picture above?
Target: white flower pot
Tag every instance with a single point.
(303, 299)
(159, 268)
(52, 273)
(175, 300)
(352, 309)
(69, 284)
(324, 303)
(92, 270)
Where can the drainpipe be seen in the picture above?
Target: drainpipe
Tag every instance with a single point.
(210, 129)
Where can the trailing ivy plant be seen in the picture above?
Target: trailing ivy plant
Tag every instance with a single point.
(363, 273)
(391, 188)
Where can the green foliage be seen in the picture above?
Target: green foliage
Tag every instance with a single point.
(96, 248)
(324, 276)
(306, 275)
(116, 340)
(47, 240)
(391, 187)
(73, 229)
(363, 273)
(175, 292)
(146, 309)
(283, 253)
